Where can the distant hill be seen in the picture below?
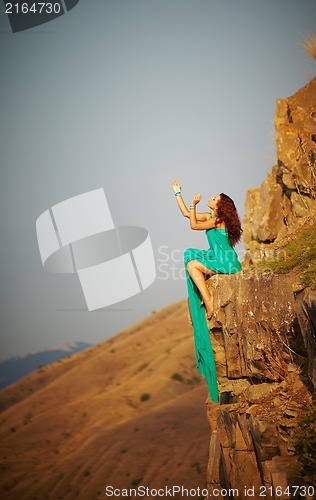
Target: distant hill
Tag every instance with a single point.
(15, 368)
(124, 413)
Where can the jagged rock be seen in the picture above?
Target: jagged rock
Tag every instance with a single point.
(256, 320)
(265, 439)
(264, 209)
(288, 195)
(267, 363)
(279, 470)
(258, 391)
(214, 467)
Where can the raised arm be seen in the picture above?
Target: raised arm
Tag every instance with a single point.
(202, 224)
(177, 191)
(183, 208)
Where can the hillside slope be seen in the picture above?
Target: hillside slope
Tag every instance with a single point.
(80, 424)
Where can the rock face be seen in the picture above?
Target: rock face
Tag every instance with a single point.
(288, 195)
(263, 332)
(265, 349)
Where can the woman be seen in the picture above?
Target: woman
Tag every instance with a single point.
(223, 231)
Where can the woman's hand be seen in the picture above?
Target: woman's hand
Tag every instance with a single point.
(197, 198)
(176, 185)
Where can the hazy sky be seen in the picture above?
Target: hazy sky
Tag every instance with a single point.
(128, 95)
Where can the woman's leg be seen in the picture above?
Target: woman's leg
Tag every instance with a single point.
(197, 271)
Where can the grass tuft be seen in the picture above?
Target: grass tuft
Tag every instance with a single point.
(178, 377)
(145, 396)
(299, 256)
(309, 45)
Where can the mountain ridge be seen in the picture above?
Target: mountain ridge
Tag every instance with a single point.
(16, 367)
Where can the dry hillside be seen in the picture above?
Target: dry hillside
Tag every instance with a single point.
(70, 429)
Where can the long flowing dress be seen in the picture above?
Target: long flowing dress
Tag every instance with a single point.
(220, 258)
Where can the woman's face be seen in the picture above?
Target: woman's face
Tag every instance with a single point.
(213, 201)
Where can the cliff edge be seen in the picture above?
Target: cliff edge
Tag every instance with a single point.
(263, 330)
(287, 197)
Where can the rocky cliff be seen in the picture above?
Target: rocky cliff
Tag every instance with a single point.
(265, 348)
(288, 195)
(263, 331)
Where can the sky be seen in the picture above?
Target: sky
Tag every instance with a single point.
(127, 95)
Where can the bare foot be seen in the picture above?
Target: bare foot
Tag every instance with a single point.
(209, 307)
(189, 319)
(189, 314)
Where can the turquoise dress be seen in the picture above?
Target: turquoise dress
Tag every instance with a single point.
(221, 258)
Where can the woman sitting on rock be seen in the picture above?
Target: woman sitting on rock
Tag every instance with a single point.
(223, 231)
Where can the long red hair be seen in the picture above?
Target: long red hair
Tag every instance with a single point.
(227, 213)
